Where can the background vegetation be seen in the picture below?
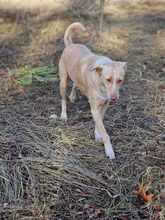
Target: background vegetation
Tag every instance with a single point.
(50, 170)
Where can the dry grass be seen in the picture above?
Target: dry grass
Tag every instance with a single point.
(31, 5)
(51, 170)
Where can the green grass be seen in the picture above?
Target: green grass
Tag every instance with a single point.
(26, 75)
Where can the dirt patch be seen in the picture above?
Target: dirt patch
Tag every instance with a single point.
(51, 170)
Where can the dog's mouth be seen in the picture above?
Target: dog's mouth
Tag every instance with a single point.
(112, 101)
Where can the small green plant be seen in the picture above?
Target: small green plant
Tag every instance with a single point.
(26, 74)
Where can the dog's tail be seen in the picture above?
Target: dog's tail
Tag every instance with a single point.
(75, 27)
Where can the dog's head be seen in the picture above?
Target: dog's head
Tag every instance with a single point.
(110, 75)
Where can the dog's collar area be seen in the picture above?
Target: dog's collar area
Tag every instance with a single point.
(105, 99)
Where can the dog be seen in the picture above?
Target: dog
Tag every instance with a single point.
(98, 77)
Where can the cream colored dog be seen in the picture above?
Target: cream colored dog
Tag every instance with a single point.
(96, 76)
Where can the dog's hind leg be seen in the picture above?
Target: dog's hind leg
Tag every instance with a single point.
(63, 85)
(72, 96)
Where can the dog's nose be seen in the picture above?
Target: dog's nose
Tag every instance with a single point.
(114, 98)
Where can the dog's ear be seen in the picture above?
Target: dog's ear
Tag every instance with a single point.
(99, 64)
(97, 68)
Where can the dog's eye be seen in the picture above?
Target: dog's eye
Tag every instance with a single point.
(109, 79)
(119, 81)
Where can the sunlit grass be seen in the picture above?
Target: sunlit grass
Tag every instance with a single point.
(52, 30)
(62, 161)
(159, 43)
(113, 41)
(133, 8)
(9, 30)
(33, 5)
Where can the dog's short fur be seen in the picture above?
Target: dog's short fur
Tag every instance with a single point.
(97, 77)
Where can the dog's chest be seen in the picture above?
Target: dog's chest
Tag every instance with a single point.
(80, 83)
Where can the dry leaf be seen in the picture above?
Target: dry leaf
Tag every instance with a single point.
(142, 193)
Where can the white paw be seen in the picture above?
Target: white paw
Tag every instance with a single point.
(53, 116)
(98, 137)
(109, 152)
(64, 117)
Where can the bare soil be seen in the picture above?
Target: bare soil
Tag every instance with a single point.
(51, 170)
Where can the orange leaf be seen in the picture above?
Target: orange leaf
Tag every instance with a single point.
(142, 193)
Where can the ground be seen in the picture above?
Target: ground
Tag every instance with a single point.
(55, 170)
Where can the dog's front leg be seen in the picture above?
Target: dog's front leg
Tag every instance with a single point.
(102, 109)
(101, 130)
(98, 137)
